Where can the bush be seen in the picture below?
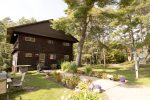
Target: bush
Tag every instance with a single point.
(115, 56)
(73, 67)
(88, 70)
(85, 95)
(85, 92)
(72, 81)
(84, 85)
(115, 77)
(57, 76)
(65, 66)
(69, 67)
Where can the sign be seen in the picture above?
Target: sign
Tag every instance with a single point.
(142, 58)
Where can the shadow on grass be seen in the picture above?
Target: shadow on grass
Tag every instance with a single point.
(34, 83)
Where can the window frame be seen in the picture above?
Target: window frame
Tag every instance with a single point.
(28, 55)
(52, 56)
(29, 39)
(67, 44)
(50, 41)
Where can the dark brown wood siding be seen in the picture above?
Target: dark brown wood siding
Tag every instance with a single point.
(41, 46)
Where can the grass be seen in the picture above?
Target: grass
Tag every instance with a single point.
(37, 87)
(128, 71)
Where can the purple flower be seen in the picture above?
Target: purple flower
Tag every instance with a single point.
(91, 87)
(122, 79)
(97, 86)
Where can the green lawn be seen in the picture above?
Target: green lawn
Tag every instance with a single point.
(128, 71)
(38, 88)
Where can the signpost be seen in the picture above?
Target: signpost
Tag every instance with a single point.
(142, 58)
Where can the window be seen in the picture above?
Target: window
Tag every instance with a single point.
(52, 56)
(66, 44)
(31, 39)
(66, 57)
(28, 54)
(50, 41)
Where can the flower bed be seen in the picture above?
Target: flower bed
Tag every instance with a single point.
(85, 90)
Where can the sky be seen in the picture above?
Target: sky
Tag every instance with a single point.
(38, 9)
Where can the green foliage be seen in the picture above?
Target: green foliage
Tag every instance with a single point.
(88, 70)
(6, 48)
(84, 85)
(85, 95)
(115, 77)
(116, 56)
(69, 67)
(71, 81)
(73, 67)
(45, 89)
(65, 66)
(116, 53)
(79, 20)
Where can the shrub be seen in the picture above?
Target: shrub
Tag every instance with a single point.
(59, 62)
(84, 85)
(88, 70)
(65, 66)
(85, 95)
(73, 67)
(69, 67)
(57, 76)
(84, 92)
(115, 77)
(72, 81)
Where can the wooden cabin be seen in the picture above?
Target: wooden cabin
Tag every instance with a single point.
(38, 42)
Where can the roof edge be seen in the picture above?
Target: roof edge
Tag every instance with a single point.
(43, 21)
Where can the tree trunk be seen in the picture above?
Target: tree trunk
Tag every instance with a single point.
(104, 58)
(104, 55)
(136, 59)
(81, 42)
(80, 47)
(136, 62)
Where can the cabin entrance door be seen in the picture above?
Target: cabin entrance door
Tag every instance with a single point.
(42, 57)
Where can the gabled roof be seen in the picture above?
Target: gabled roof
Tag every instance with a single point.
(40, 29)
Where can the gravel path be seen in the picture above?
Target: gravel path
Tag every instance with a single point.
(123, 92)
